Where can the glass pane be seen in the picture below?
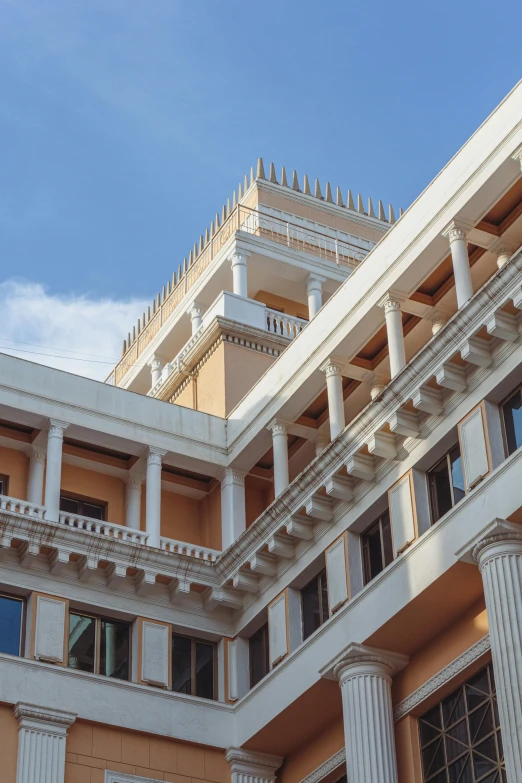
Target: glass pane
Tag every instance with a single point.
(513, 421)
(82, 642)
(386, 538)
(311, 608)
(114, 649)
(258, 655)
(324, 596)
(457, 477)
(181, 668)
(10, 625)
(2, 492)
(93, 510)
(204, 670)
(372, 552)
(69, 505)
(440, 491)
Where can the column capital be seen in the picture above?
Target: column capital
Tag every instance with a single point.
(315, 282)
(438, 321)
(497, 545)
(278, 427)
(392, 300)
(134, 480)
(38, 453)
(376, 383)
(155, 455)
(38, 718)
(195, 308)
(57, 426)
(254, 763)
(332, 366)
(233, 476)
(517, 155)
(457, 229)
(358, 660)
(239, 258)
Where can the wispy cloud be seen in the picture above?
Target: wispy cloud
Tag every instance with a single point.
(75, 333)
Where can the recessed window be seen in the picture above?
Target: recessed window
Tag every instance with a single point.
(446, 483)
(11, 615)
(259, 662)
(314, 600)
(3, 485)
(377, 547)
(512, 414)
(193, 664)
(83, 507)
(99, 645)
(460, 737)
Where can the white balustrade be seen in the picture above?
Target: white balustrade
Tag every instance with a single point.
(191, 550)
(103, 528)
(21, 507)
(284, 325)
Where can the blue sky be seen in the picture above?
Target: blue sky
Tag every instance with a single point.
(125, 125)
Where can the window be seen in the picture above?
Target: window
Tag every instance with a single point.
(512, 415)
(259, 662)
(460, 737)
(314, 599)
(3, 485)
(83, 507)
(11, 615)
(446, 483)
(193, 663)
(377, 547)
(99, 645)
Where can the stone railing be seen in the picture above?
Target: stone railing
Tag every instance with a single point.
(103, 528)
(192, 550)
(284, 325)
(21, 507)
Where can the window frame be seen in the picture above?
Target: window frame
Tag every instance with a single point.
(266, 640)
(99, 619)
(366, 578)
(23, 618)
(318, 579)
(82, 499)
(193, 641)
(5, 478)
(445, 457)
(503, 420)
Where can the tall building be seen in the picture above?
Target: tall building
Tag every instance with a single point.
(283, 540)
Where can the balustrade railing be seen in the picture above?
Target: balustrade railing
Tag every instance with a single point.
(192, 550)
(21, 507)
(108, 529)
(284, 325)
(251, 221)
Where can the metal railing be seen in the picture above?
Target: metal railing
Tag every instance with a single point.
(250, 221)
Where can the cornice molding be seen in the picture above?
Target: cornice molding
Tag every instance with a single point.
(29, 715)
(334, 762)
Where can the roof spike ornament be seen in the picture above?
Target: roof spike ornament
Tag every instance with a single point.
(139, 326)
(124, 348)
(194, 252)
(174, 279)
(245, 185)
(401, 212)
(133, 333)
(207, 237)
(148, 314)
(217, 221)
(212, 229)
(284, 181)
(158, 302)
(295, 182)
(185, 266)
(129, 339)
(260, 169)
(234, 200)
(163, 294)
(329, 197)
(228, 207)
(339, 197)
(180, 273)
(306, 186)
(360, 205)
(371, 211)
(273, 177)
(239, 192)
(350, 203)
(381, 213)
(317, 189)
(201, 245)
(252, 177)
(391, 214)
(143, 320)
(223, 214)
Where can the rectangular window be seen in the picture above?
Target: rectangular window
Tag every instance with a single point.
(512, 415)
(11, 624)
(446, 483)
(314, 600)
(3, 485)
(84, 507)
(259, 662)
(193, 665)
(377, 547)
(99, 645)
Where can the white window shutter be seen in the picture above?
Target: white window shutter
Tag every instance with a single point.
(402, 516)
(473, 448)
(155, 654)
(337, 574)
(49, 635)
(277, 633)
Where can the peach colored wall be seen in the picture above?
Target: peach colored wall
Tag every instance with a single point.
(210, 384)
(186, 398)
(8, 744)
(309, 756)
(180, 518)
(210, 516)
(243, 368)
(98, 486)
(91, 749)
(257, 498)
(15, 464)
(408, 750)
(288, 306)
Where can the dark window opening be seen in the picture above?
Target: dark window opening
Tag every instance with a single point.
(99, 645)
(512, 415)
(446, 483)
(259, 660)
(314, 600)
(3, 485)
(83, 507)
(193, 665)
(377, 547)
(11, 624)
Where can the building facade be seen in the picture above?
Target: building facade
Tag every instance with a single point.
(283, 540)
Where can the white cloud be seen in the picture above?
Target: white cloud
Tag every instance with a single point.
(79, 334)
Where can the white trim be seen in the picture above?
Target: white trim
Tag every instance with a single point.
(124, 777)
(324, 769)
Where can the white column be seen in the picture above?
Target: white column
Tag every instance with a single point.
(153, 496)
(280, 448)
(35, 480)
(196, 316)
(41, 743)
(499, 558)
(53, 474)
(459, 256)
(251, 766)
(365, 681)
(233, 506)
(334, 387)
(155, 371)
(239, 274)
(133, 502)
(393, 316)
(314, 285)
